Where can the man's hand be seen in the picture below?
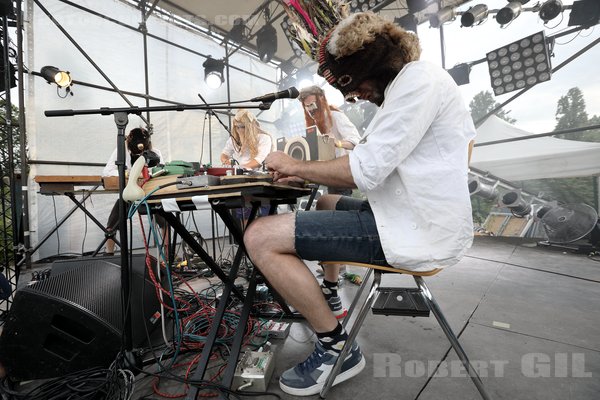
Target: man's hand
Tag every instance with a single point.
(282, 164)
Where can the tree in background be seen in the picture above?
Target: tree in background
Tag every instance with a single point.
(6, 219)
(570, 113)
(570, 110)
(483, 103)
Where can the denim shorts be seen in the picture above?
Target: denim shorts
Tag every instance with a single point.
(347, 234)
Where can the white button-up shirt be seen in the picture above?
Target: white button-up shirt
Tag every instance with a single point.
(412, 165)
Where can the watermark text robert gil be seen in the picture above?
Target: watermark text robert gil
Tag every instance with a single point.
(532, 365)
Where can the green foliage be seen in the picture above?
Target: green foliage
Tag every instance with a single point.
(570, 113)
(483, 103)
(570, 110)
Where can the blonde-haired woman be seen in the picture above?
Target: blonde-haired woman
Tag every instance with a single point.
(248, 144)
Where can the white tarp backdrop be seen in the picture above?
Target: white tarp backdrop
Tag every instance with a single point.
(174, 74)
(538, 158)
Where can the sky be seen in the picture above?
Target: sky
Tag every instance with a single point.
(534, 110)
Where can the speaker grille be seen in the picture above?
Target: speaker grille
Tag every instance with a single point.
(92, 287)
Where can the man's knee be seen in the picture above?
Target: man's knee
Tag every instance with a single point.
(328, 202)
(254, 235)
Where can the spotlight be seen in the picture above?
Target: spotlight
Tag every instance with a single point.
(444, 15)
(585, 13)
(414, 6)
(408, 22)
(488, 192)
(213, 72)
(238, 32)
(550, 10)
(54, 75)
(460, 73)
(474, 15)
(266, 43)
(509, 13)
(304, 78)
(520, 64)
(516, 204)
(366, 5)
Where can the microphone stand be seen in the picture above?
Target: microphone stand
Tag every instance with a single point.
(121, 117)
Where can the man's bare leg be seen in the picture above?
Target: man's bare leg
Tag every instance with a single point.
(269, 242)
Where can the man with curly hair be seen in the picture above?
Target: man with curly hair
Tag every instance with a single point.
(411, 164)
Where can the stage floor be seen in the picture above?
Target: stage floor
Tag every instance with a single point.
(528, 317)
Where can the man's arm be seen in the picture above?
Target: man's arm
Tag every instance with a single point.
(334, 173)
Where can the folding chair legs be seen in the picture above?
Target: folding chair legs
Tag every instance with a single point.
(355, 327)
(368, 303)
(433, 306)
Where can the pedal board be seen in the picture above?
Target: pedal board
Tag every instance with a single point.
(400, 301)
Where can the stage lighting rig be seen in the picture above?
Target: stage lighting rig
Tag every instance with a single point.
(54, 75)
(474, 15)
(515, 202)
(442, 16)
(213, 72)
(550, 10)
(520, 64)
(510, 12)
(366, 5)
(266, 43)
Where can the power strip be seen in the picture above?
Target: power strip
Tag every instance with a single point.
(254, 371)
(275, 330)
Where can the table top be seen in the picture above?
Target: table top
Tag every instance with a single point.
(255, 188)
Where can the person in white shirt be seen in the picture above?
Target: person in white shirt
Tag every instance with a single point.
(248, 144)
(137, 142)
(411, 164)
(247, 147)
(330, 121)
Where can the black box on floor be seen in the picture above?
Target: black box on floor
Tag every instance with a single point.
(400, 301)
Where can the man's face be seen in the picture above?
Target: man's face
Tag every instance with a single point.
(372, 91)
(310, 104)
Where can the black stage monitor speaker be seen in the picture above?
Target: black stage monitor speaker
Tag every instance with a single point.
(73, 321)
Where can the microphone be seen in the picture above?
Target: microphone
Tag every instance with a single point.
(290, 93)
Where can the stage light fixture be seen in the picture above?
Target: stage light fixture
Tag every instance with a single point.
(238, 33)
(266, 43)
(483, 190)
(516, 203)
(444, 15)
(54, 75)
(408, 22)
(366, 5)
(414, 6)
(520, 64)
(304, 78)
(509, 13)
(213, 72)
(550, 10)
(585, 13)
(460, 73)
(474, 15)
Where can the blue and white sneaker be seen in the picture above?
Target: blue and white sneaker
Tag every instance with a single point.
(308, 377)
